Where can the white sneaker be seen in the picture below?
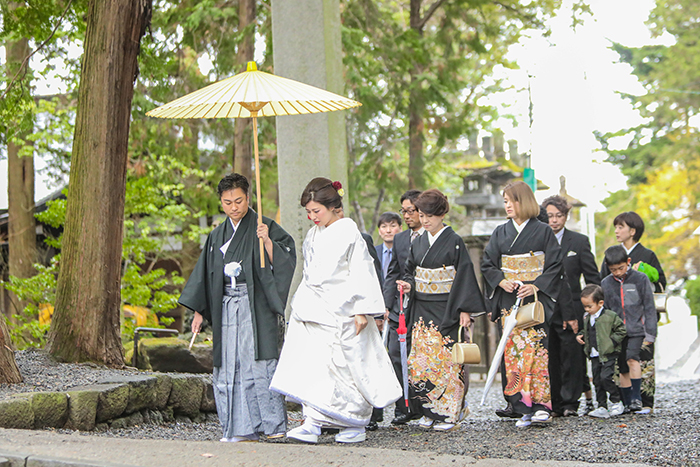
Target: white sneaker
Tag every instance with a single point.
(525, 421)
(600, 412)
(426, 422)
(351, 435)
(444, 426)
(306, 433)
(617, 409)
(645, 411)
(541, 416)
(240, 439)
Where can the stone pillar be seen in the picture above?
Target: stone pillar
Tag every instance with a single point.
(306, 47)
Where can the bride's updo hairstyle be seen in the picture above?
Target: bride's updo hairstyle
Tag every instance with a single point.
(323, 191)
(433, 203)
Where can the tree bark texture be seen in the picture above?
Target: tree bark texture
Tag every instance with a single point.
(85, 324)
(20, 190)
(242, 142)
(416, 163)
(9, 372)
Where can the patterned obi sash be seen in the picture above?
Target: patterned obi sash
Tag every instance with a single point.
(526, 267)
(435, 281)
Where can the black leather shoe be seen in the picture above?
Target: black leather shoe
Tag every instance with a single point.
(635, 405)
(508, 412)
(401, 419)
(372, 426)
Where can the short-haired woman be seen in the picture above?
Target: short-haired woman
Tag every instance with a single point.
(333, 361)
(524, 250)
(441, 277)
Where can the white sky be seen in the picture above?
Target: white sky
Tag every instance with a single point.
(573, 77)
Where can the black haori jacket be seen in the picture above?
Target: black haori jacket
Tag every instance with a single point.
(268, 288)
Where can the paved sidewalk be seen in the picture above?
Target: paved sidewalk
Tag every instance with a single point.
(45, 448)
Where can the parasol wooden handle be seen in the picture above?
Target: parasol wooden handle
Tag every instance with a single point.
(257, 186)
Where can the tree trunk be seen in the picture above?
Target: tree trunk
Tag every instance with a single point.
(416, 109)
(20, 187)
(242, 143)
(85, 324)
(9, 373)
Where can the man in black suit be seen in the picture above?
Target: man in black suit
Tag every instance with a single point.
(567, 364)
(388, 226)
(397, 269)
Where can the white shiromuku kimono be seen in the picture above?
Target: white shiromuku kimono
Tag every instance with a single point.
(336, 375)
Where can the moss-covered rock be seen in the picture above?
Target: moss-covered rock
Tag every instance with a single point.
(119, 423)
(164, 384)
(186, 395)
(208, 402)
(136, 419)
(16, 412)
(50, 409)
(171, 354)
(142, 394)
(82, 409)
(112, 401)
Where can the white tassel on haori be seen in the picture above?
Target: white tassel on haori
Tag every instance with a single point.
(232, 270)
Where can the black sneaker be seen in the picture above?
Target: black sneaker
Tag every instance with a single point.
(372, 426)
(635, 405)
(588, 408)
(401, 419)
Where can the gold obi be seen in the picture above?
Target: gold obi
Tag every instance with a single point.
(434, 281)
(526, 267)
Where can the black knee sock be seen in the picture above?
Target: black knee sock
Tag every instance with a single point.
(626, 395)
(636, 389)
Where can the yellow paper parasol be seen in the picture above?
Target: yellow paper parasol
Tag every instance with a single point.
(253, 94)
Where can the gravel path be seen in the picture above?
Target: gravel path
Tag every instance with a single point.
(670, 436)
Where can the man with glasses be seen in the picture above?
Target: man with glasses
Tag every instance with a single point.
(567, 364)
(397, 269)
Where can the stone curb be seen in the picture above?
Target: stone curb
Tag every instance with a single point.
(15, 459)
(123, 400)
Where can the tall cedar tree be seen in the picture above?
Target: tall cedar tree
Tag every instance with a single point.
(85, 324)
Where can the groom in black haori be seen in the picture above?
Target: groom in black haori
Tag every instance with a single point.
(243, 301)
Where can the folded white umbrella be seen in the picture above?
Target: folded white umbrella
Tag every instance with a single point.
(508, 327)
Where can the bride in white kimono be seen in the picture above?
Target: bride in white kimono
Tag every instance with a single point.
(333, 361)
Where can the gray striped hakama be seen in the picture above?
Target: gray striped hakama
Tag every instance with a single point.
(244, 401)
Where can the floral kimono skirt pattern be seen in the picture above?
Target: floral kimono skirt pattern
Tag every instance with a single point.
(527, 369)
(437, 387)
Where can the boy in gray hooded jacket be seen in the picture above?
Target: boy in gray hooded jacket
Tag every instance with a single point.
(629, 294)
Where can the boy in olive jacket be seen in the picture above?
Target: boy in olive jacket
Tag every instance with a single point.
(601, 336)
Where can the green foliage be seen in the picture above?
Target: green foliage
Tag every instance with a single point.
(27, 329)
(692, 291)
(443, 69)
(660, 159)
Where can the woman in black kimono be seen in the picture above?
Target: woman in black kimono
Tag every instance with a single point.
(445, 291)
(524, 250)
